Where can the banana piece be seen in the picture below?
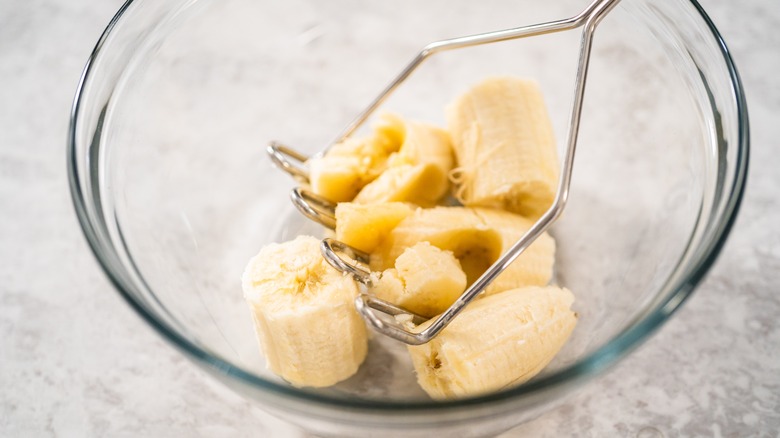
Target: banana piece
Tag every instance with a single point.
(534, 267)
(477, 237)
(456, 229)
(404, 183)
(497, 342)
(352, 164)
(304, 315)
(346, 169)
(390, 129)
(418, 172)
(426, 144)
(505, 149)
(364, 227)
(401, 161)
(426, 280)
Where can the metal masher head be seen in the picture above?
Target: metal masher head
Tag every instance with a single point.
(383, 316)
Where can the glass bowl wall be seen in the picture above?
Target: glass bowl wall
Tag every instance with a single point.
(175, 194)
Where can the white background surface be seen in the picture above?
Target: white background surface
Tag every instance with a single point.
(76, 361)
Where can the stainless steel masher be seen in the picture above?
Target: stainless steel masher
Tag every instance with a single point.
(383, 316)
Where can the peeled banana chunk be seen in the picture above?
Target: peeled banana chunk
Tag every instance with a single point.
(504, 145)
(304, 314)
(477, 237)
(349, 166)
(425, 280)
(364, 227)
(400, 162)
(497, 342)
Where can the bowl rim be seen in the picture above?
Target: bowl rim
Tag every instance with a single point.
(587, 367)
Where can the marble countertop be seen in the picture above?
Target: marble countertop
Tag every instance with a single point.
(64, 332)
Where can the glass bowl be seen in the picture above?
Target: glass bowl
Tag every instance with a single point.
(174, 192)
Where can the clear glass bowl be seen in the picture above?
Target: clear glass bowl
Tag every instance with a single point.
(174, 191)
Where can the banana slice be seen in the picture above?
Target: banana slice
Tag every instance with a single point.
(477, 237)
(418, 173)
(338, 178)
(426, 280)
(304, 315)
(352, 164)
(455, 229)
(364, 227)
(404, 183)
(505, 149)
(497, 342)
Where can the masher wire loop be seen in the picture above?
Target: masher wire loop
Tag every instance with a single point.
(382, 315)
(288, 160)
(356, 265)
(314, 207)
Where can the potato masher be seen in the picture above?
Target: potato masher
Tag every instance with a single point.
(383, 316)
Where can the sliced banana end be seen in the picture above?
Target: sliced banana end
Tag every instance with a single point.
(303, 312)
(426, 280)
(498, 342)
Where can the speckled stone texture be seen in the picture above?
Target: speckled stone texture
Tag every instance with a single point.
(713, 370)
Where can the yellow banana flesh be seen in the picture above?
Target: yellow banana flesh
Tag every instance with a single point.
(505, 148)
(349, 166)
(364, 227)
(477, 237)
(400, 161)
(418, 172)
(304, 315)
(497, 342)
(426, 280)
(455, 229)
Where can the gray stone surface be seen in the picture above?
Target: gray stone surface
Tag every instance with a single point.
(713, 370)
